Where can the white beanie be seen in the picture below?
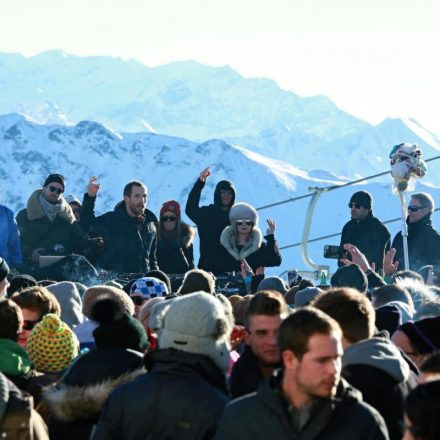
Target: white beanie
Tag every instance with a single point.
(195, 323)
(243, 211)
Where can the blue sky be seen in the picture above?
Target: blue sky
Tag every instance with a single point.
(374, 59)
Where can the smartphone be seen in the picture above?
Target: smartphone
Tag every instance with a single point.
(337, 252)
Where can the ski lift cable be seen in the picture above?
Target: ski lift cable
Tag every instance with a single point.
(332, 187)
(324, 237)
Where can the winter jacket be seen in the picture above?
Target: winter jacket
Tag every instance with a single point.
(210, 221)
(74, 404)
(423, 245)
(265, 415)
(10, 247)
(129, 244)
(87, 212)
(370, 236)
(63, 236)
(175, 255)
(254, 250)
(18, 419)
(180, 397)
(377, 369)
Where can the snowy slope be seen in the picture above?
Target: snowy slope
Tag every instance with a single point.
(169, 166)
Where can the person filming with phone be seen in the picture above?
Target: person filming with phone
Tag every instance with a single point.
(365, 231)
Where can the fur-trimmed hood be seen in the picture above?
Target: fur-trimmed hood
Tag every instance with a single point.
(68, 402)
(35, 211)
(253, 243)
(186, 235)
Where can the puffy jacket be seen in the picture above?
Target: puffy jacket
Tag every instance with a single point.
(180, 397)
(10, 248)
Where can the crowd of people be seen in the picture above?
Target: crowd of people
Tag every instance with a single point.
(108, 330)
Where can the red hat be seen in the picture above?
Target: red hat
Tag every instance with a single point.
(172, 206)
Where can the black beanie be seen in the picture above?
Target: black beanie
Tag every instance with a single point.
(388, 317)
(350, 276)
(363, 198)
(4, 269)
(116, 328)
(424, 334)
(20, 282)
(58, 178)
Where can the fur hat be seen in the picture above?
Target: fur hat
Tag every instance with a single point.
(69, 298)
(149, 287)
(172, 206)
(195, 323)
(116, 328)
(350, 276)
(4, 269)
(52, 346)
(273, 283)
(58, 178)
(363, 198)
(72, 199)
(92, 294)
(243, 211)
(423, 334)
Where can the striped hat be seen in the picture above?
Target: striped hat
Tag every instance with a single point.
(52, 346)
(149, 287)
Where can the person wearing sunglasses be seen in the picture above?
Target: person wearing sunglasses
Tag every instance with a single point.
(365, 231)
(174, 240)
(243, 240)
(47, 227)
(423, 239)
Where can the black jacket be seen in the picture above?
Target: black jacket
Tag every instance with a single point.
(74, 404)
(181, 397)
(255, 251)
(370, 236)
(129, 245)
(210, 221)
(377, 369)
(175, 255)
(423, 245)
(264, 415)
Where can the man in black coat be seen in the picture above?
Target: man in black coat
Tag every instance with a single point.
(365, 231)
(183, 393)
(210, 221)
(373, 365)
(423, 239)
(307, 400)
(129, 233)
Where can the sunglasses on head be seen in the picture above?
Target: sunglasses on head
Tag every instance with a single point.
(55, 189)
(169, 218)
(138, 300)
(356, 205)
(29, 325)
(415, 208)
(246, 222)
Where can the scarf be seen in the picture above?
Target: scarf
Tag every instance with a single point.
(50, 210)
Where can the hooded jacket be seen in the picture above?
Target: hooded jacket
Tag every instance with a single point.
(130, 244)
(210, 221)
(423, 244)
(370, 236)
(377, 369)
(181, 397)
(63, 236)
(10, 248)
(265, 415)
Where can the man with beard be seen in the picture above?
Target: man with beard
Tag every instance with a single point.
(129, 233)
(307, 399)
(423, 239)
(261, 356)
(210, 221)
(365, 231)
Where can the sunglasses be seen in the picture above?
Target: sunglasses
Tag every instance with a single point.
(76, 210)
(225, 191)
(29, 325)
(356, 205)
(55, 189)
(138, 300)
(246, 222)
(415, 208)
(169, 218)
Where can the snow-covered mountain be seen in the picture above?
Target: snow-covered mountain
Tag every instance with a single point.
(169, 166)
